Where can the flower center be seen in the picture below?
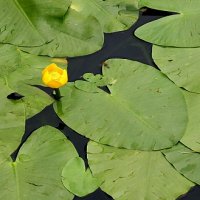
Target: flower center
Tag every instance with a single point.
(55, 75)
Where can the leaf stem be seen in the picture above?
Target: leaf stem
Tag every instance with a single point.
(57, 94)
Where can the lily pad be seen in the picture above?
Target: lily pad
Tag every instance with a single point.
(140, 174)
(113, 15)
(12, 121)
(36, 174)
(78, 180)
(49, 28)
(144, 111)
(186, 161)
(179, 30)
(180, 65)
(191, 137)
(22, 21)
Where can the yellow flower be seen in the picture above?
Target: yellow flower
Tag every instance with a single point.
(54, 76)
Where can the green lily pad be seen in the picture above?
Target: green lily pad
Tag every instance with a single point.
(139, 174)
(186, 161)
(180, 65)
(22, 21)
(144, 111)
(12, 121)
(179, 30)
(113, 15)
(49, 28)
(191, 137)
(78, 180)
(36, 174)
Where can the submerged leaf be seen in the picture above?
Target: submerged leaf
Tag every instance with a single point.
(36, 174)
(144, 110)
(140, 174)
(179, 30)
(78, 180)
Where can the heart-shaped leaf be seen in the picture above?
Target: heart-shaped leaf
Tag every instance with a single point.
(179, 30)
(144, 110)
(140, 174)
(36, 174)
(78, 180)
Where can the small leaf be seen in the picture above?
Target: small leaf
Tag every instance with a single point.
(78, 180)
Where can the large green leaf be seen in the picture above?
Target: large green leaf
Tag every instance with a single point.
(186, 161)
(179, 30)
(36, 174)
(22, 21)
(12, 121)
(78, 180)
(144, 110)
(49, 28)
(20, 70)
(131, 174)
(191, 137)
(180, 65)
(113, 15)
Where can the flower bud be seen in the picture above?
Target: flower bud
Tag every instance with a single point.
(54, 76)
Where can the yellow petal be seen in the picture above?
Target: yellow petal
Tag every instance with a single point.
(54, 84)
(64, 77)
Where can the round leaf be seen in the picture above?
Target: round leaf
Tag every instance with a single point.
(144, 110)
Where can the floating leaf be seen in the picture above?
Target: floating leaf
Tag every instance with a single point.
(186, 161)
(179, 30)
(77, 180)
(22, 22)
(113, 15)
(180, 65)
(36, 174)
(144, 110)
(49, 28)
(12, 121)
(139, 174)
(191, 137)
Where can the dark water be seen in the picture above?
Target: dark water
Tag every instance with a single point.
(116, 45)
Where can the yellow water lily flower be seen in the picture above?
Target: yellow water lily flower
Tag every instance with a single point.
(54, 76)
